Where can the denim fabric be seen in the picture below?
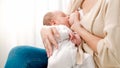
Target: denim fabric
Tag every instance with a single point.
(27, 57)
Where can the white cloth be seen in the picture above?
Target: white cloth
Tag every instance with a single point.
(88, 62)
(65, 55)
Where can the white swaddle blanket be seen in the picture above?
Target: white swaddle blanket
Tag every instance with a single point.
(65, 55)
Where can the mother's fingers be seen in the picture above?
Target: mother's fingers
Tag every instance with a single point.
(48, 47)
(48, 36)
(55, 32)
(52, 38)
(45, 33)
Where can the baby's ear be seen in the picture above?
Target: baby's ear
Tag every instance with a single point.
(52, 22)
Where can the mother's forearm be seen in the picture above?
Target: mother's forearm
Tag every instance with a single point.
(90, 39)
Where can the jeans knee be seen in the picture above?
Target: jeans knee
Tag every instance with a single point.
(22, 56)
(18, 51)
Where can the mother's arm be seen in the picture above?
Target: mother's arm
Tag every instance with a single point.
(90, 39)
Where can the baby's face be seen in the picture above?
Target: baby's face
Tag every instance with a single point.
(61, 18)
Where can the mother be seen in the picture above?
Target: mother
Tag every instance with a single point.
(99, 28)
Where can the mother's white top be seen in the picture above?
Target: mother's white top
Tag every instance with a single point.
(103, 21)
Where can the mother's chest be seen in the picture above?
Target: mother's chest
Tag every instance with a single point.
(94, 24)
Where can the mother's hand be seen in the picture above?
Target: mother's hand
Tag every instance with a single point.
(76, 26)
(75, 20)
(48, 37)
(74, 17)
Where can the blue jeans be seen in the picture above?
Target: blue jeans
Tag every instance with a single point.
(27, 57)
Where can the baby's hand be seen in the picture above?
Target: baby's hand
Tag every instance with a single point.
(75, 38)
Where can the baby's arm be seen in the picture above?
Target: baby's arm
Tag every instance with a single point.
(75, 38)
(67, 34)
(64, 33)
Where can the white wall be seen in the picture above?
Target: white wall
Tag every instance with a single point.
(15, 15)
(21, 21)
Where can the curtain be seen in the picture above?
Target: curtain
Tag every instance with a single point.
(21, 21)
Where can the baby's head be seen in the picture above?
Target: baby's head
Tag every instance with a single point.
(56, 18)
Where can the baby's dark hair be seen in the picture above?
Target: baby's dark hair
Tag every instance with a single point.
(47, 18)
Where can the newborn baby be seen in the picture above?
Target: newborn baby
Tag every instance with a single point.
(65, 55)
